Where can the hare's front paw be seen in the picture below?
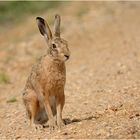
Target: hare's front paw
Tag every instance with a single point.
(37, 127)
(60, 123)
(52, 124)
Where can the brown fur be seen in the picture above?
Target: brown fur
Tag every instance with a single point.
(43, 94)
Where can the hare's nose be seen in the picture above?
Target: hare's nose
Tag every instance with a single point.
(66, 56)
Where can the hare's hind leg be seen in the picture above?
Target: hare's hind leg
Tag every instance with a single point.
(32, 107)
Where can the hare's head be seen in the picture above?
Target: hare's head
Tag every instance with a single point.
(57, 47)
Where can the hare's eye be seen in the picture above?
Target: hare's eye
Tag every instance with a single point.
(54, 46)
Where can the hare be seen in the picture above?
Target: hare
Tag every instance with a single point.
(43, 95)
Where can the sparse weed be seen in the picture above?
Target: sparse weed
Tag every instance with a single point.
(82, 11)
(8, 59)
(12, 100)
(4, 79)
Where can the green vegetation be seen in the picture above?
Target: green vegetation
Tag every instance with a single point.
(82, 11)
(13, 11)
(4, 79)
(12, 100)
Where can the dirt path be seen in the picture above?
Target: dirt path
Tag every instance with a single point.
(103, 75)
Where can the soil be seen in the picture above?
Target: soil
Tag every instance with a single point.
(103, 72)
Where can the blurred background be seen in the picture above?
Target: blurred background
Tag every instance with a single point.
(103, 78)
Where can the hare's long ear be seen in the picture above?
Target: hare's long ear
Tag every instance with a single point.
(44, 28)
(57, 26)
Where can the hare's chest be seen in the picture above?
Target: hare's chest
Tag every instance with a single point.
(54, 78)
(54, 83)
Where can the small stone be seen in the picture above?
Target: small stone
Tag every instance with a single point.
(17, 137)
(65, 133)
(137, 114)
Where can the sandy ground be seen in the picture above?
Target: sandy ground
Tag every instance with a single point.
(103, 74)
